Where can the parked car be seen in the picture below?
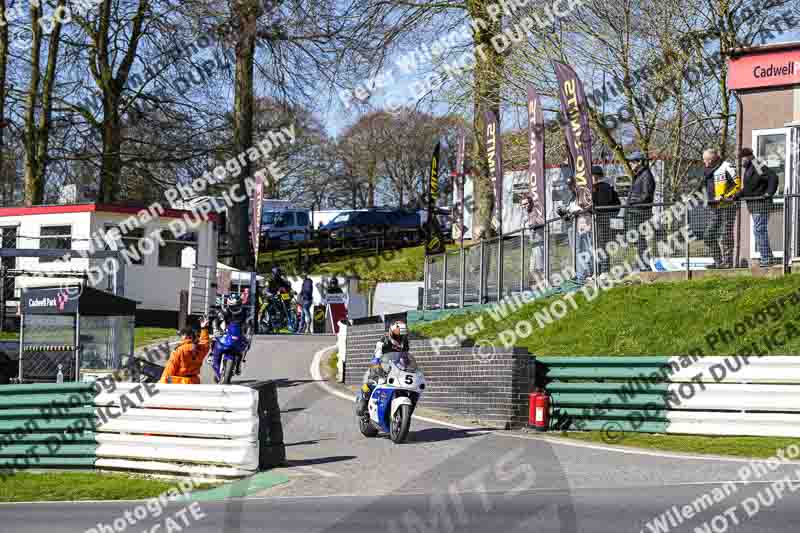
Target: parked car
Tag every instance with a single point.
(286, 225)
(398, 225)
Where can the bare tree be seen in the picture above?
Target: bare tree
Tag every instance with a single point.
(37, 132)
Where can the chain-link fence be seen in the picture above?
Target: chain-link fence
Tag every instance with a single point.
(48, 345)
(620, 240)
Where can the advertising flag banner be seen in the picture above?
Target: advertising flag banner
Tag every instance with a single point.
(458, 209)
(579, 140)
(536, 215)
(258, 204)
(495, 161)
(434, 243)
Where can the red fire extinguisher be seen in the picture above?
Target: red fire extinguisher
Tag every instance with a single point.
(539, 410)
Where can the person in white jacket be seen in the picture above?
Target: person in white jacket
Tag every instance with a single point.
(582, 241)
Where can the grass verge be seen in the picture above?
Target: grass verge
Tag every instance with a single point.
(751, 447)
(333, 363)
(404, 264)
(144, 336)
(69, 486)
(653, 319)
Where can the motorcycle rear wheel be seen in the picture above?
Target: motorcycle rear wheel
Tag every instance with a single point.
(227, 372)
(401, 423)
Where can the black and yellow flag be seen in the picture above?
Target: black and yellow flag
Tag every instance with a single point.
(434, 243)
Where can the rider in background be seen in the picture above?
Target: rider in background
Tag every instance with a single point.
(235, 316)
(395, 340)
(187, 359)
(277, 281)
(333, 286)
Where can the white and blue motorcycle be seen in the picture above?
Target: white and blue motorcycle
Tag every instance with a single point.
(393, 399)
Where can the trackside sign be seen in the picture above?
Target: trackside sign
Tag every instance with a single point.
(764, 69)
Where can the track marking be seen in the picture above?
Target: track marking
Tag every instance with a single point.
(314, 471)
(630, 451)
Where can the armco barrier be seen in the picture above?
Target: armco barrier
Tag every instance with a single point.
(202, 429)
(689, 395)
(46, 426)
(217, 431)
(491, 388)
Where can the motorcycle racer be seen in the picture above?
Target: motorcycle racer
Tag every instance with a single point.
(395, 340)
(234, 314)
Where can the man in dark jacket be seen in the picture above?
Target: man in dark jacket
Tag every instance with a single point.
(606, 202)
(639, 207)
(306, 299)
(759, 185)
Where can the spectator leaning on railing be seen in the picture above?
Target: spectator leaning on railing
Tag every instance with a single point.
(604, 196)
(582, 243)
(537, 236)
(720, 186)
(759, 183)
(638, 208)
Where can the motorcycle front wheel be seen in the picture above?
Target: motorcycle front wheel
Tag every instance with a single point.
(401, 422)
(227, 371)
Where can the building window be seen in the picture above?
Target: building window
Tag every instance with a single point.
(127, 243)
(54, 238)
(171, 252)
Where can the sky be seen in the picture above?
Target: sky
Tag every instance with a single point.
(406, 83)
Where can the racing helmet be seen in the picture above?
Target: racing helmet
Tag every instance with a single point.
(398, 330)
(333, 283)
(276, 271)
(233, 300)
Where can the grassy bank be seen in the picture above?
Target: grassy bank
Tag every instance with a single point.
(68, 486)
(647, 319)
(758, 447)
(145, 336)
(405, 264)
(142, 336)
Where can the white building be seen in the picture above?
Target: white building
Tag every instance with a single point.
(152, 273)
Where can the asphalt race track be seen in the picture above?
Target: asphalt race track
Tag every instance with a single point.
(446, 480)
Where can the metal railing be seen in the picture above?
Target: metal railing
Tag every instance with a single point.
(620, 240)
(200, 290)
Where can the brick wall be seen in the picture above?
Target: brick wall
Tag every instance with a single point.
(492, 390)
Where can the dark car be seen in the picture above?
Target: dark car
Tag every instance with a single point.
(397, 225)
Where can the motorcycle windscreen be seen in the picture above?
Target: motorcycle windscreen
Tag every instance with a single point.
(404, 361)
(384, 400)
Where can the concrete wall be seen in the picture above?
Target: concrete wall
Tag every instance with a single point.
(492, 390)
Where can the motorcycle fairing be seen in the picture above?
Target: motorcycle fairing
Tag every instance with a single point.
(384, 396)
